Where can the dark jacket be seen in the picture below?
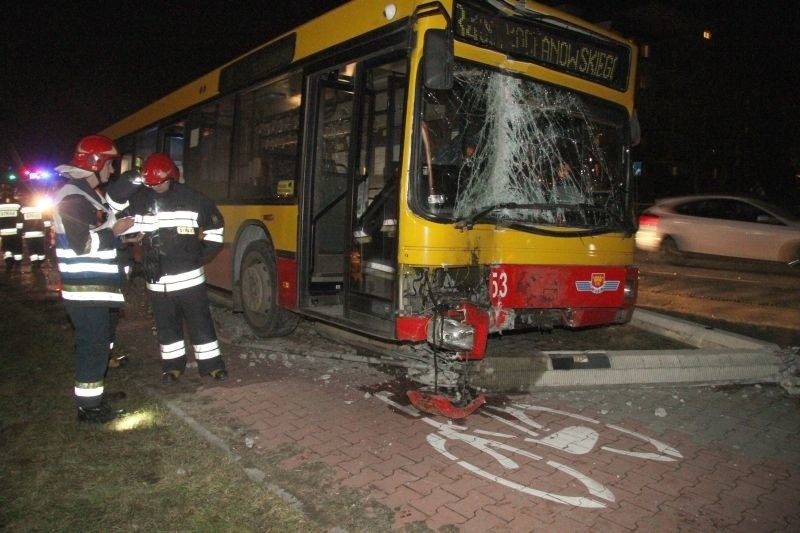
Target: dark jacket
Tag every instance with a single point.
(86, 247)
(183, 229)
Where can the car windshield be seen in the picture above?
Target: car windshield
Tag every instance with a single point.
(499, 148)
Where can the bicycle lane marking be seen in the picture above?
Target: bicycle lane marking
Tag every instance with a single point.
(574, 440)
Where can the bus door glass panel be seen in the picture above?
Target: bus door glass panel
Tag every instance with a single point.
(330, 181)
(373, 255)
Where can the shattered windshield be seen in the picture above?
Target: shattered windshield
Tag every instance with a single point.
(499, 148)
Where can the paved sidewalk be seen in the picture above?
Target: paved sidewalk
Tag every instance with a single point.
(339, 440)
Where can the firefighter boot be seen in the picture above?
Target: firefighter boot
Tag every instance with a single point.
(170, 376)
(118, 360)
(220, 374)
(99, 415)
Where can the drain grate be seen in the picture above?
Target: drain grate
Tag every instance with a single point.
(579, 361)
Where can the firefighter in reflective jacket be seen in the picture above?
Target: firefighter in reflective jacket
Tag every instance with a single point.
(181, 230)
(91, 280)
(10, 229)
(35, 230)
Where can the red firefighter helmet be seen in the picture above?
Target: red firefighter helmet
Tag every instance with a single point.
(93, 151)
(159, 168)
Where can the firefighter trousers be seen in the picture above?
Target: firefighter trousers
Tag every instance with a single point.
(36, 249)
(170, 310)
(92, 327)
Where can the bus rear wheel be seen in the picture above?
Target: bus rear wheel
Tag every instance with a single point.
(259, 291)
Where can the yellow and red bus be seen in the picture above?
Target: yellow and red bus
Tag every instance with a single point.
(419, 172)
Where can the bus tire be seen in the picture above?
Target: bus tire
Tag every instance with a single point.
(259, 291)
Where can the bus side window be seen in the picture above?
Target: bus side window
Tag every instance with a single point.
(265, 148)
(207, 152)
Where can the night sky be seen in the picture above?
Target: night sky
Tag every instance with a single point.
(72, 68)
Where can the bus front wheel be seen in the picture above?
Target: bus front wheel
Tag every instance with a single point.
(259, 291)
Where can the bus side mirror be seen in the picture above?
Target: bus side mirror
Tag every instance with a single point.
(437, 60)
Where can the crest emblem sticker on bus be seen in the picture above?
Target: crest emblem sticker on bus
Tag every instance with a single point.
(598, 284)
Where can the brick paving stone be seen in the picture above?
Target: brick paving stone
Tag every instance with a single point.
(793, 519)
(388, 484)
(518, 500)
(364, 478)
(418, 453)
(442, 518)
(770, 508)
(741, 499)
(704, 494)
(308, 441)
(709, 458)
(537, 518)
(634, 482)
(586, 517)
(502, 509)
(672, 485)
(483, 521)
(753, 523)
(436, 464)
(403, 495)
(602, 525)
(786, 490)
(391, 465)
(433, 501)
(647, 498)
(727, 512)
(744, 490)
(334, 458)
(670, 520)
(405, 515)
(566, 523)
(330, 443)
(692, 503)
(779, 468)
(468, 505)
(620, 466)
(725, 476)
(428, 482)
(627, 515)
(689, 470)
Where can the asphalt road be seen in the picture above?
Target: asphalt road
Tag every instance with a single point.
(756, 298)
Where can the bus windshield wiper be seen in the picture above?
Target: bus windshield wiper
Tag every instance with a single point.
(469, 221)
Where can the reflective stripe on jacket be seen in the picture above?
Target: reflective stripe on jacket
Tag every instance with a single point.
(93, 276)
(9, 219)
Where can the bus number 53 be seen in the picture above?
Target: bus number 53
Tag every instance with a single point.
(498, 284)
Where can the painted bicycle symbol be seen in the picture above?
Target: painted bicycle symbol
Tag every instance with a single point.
(508, 449)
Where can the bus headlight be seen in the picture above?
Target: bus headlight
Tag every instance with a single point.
(451, 334)
(464, 329)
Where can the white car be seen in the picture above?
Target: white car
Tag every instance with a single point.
(731, 226)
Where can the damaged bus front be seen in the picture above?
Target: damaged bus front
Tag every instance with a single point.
(520, 201)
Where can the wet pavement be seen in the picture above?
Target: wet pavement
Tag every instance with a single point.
(338, 439)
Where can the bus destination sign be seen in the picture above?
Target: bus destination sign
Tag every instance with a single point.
(579, 54)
